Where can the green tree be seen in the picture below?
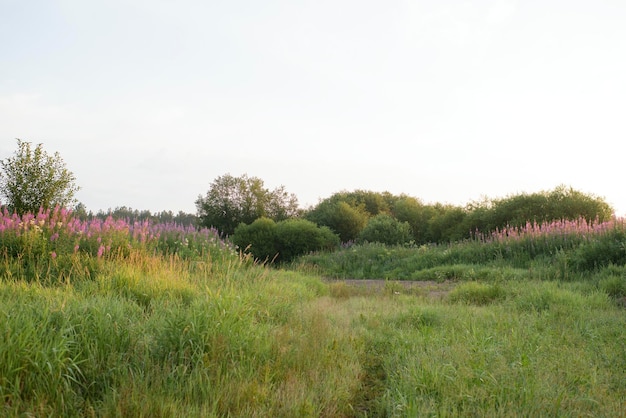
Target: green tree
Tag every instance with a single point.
(411, 210)
(448, 224)
(346, 220)
(233, 200)
(545, 206)
(32, 179)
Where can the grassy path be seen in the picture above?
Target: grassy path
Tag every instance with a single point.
(161, 342)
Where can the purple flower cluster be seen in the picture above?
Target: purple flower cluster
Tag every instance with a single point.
(580, 229)
(60, 232)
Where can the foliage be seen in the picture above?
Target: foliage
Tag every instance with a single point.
(417, 215)
(557, 249)
(345, 220)
(283, 241)
(155, 332)
(296, 237)
(347, 213)
(258, 239)
(55, 246)
(373, 203)
(562, 203)
(233, 200)
(32, 179)
(274, 344)
(133, 215)
(387, 230)
(447, 224)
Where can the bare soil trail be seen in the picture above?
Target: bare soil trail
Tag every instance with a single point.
(430, 288)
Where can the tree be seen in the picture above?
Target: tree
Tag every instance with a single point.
(233, 200)
(345, 220)
(32, 179)
(412, 210)
(545, 206)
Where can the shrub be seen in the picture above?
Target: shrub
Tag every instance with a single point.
(606, 249)
(284, 240)
(345, 220)
(258, 238)
(296, 237)
(386, 230)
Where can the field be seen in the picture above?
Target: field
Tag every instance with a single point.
(109, 319)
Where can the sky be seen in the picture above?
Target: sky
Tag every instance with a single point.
(449, 101)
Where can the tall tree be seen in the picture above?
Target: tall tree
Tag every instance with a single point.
(234, 200)
(32, 179)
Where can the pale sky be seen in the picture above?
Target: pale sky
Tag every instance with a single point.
(450, 101)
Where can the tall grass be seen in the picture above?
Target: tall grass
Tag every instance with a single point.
(158, 327)
(561, 249)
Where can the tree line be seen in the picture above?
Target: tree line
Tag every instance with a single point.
(271, 225)
(269, 222)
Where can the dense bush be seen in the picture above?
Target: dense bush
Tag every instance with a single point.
(296, 237)
(345, 220)
(385, 229)
(258, 238)
(283, 241)
(594, 254)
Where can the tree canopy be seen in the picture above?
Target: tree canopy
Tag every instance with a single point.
(32, 179)
(234, 200)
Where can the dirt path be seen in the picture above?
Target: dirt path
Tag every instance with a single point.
(428, 288)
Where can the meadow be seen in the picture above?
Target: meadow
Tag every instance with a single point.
(109, 318)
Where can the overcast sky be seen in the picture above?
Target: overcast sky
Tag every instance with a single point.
(450, 101)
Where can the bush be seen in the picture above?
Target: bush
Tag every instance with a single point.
(296, 237)
(258, 238)
(604, 250)
(345, 220)
(386, 230)
(284, 240)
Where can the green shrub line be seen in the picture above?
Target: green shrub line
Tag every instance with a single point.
(563, 253)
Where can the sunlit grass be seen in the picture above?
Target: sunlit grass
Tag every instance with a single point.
(212, 333)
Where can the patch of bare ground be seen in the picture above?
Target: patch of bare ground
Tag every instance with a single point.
(428, 288)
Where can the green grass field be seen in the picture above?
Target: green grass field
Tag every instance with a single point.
(151, 333)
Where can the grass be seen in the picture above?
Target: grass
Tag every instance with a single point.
(161, 332)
